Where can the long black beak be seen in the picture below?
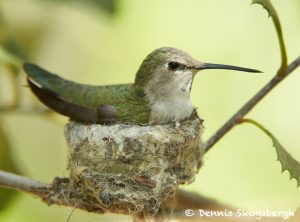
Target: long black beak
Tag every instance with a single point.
(220, 66)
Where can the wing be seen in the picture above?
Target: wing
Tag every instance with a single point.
(87, 103)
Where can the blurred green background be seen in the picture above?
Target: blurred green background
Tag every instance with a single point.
(104, 42)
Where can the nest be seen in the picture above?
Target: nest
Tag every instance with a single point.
(132, 169)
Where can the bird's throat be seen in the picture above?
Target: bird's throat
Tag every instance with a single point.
(172, 109)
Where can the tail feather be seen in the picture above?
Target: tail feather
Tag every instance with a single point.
(44, 85)
(41, 76)
(66, 108)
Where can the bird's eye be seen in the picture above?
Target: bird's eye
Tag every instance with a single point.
(173, 65)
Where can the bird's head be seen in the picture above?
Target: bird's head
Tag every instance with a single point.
(169, 72)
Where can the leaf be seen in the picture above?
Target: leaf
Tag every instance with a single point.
(272, 13)
(287, 161)
(6, 164)
(109, 6)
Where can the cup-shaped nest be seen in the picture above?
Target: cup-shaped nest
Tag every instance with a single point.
(132, 169)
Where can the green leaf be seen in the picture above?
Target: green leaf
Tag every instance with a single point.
(6, 164)
(272, 13)
(287, 161)
(109, 6)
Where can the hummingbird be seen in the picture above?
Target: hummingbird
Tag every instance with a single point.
(160, 93)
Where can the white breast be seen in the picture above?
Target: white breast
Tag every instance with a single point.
(175, 109)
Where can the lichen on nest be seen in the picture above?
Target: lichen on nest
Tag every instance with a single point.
(132, 169)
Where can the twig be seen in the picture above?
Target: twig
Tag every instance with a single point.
(16, 182)
(281, 74)
(249, 105)
(62, 192)
(191, 200)
(59, 193)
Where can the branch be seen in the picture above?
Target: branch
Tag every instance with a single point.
(59, 193)
(62, 192)
(16, 182)
(281, 74)
(249, 105)
(191, 200)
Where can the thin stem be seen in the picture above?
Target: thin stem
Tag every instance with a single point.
(61, 192)
(273, 14)
(284, 60)
(249, 105)
(257, 125)
(16, 182)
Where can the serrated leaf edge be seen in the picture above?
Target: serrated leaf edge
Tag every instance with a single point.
(291, 161)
